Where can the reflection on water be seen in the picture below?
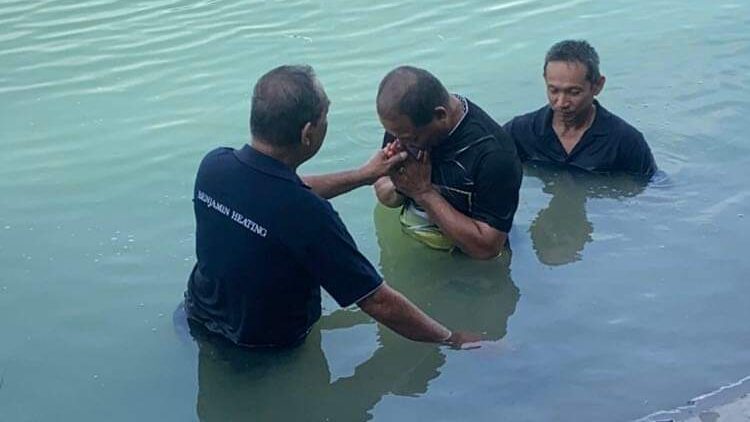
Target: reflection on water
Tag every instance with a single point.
(107, 108)
(295, 384)
(460, 292)
(560, 232)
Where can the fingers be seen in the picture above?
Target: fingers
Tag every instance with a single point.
(392, 148)
(396, 158)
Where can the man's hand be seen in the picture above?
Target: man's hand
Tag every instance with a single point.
(393, 148)
(463, 340)
(382, 163)
(333, 184)
(414, 176)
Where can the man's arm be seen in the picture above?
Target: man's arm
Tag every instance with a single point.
(386, 193)
(635, 155)
(334, 184)
(392, 309)
(476, 238)
(518, 129)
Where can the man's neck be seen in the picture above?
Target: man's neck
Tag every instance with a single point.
(285, 155)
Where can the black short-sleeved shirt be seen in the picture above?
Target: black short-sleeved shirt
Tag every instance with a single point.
(609, 145)
(265, 245)
(477, 169)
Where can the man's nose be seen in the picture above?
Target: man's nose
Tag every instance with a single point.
(561, 101)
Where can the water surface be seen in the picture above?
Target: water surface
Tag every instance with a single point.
(620, 300)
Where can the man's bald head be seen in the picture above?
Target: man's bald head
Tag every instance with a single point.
(412, 92)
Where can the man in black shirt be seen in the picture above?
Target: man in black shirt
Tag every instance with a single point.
(574, 129)
(459, 187)
(267, 241)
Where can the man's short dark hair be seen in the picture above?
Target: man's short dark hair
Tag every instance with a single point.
(419, 90)
(284, 100)
(575, 51)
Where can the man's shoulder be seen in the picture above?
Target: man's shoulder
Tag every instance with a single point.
(492, 145)
(622, 129)
(530, 122)
(214, 163)
(218, 153)
(486, 132)
(479, 124)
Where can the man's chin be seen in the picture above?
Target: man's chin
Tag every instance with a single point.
(568, 117)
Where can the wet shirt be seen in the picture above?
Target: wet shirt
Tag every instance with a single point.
(265, 245)
(609, 145)
(477, 169)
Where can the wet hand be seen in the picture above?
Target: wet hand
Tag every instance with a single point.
(393, 148)
(382, 163)
(414, 176)
(464, 340)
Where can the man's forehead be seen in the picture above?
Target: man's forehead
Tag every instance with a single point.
(565, 73)
(396, 121)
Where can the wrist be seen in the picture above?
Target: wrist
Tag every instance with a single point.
(425, 195)
(365, 176)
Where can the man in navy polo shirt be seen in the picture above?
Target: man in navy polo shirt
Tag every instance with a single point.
(575, 129)
(267, 241)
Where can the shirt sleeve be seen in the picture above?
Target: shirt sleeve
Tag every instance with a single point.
(333, 259)
(514, 129)
(635, 156)
(498, 181)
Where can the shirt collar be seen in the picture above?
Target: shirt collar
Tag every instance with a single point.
(465, 104)
(265, 164)
(447, 144)
(599, 127)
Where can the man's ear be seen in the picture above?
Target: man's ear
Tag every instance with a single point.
(306, 134)
(440, 113)
(599, 86)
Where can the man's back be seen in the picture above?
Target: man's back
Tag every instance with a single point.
(480, 160)
(259, 242)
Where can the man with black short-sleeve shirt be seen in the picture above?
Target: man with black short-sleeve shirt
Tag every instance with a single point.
(459, 187)
(267, 240)
(575, 129)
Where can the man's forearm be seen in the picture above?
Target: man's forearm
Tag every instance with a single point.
(476, 239)
(394, 310)
(387, 194)
(334, 184)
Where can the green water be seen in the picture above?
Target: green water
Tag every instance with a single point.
(619, 301)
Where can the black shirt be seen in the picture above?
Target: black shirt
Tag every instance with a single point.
(477, 169)
(265, 245)
(609, 145)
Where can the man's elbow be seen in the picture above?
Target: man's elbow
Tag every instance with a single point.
(387, 194)
(389, 199)
(486, 249)
(483, 254)
(377, 304)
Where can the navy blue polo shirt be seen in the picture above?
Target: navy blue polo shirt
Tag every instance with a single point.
(265, 245)
(609, 145)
